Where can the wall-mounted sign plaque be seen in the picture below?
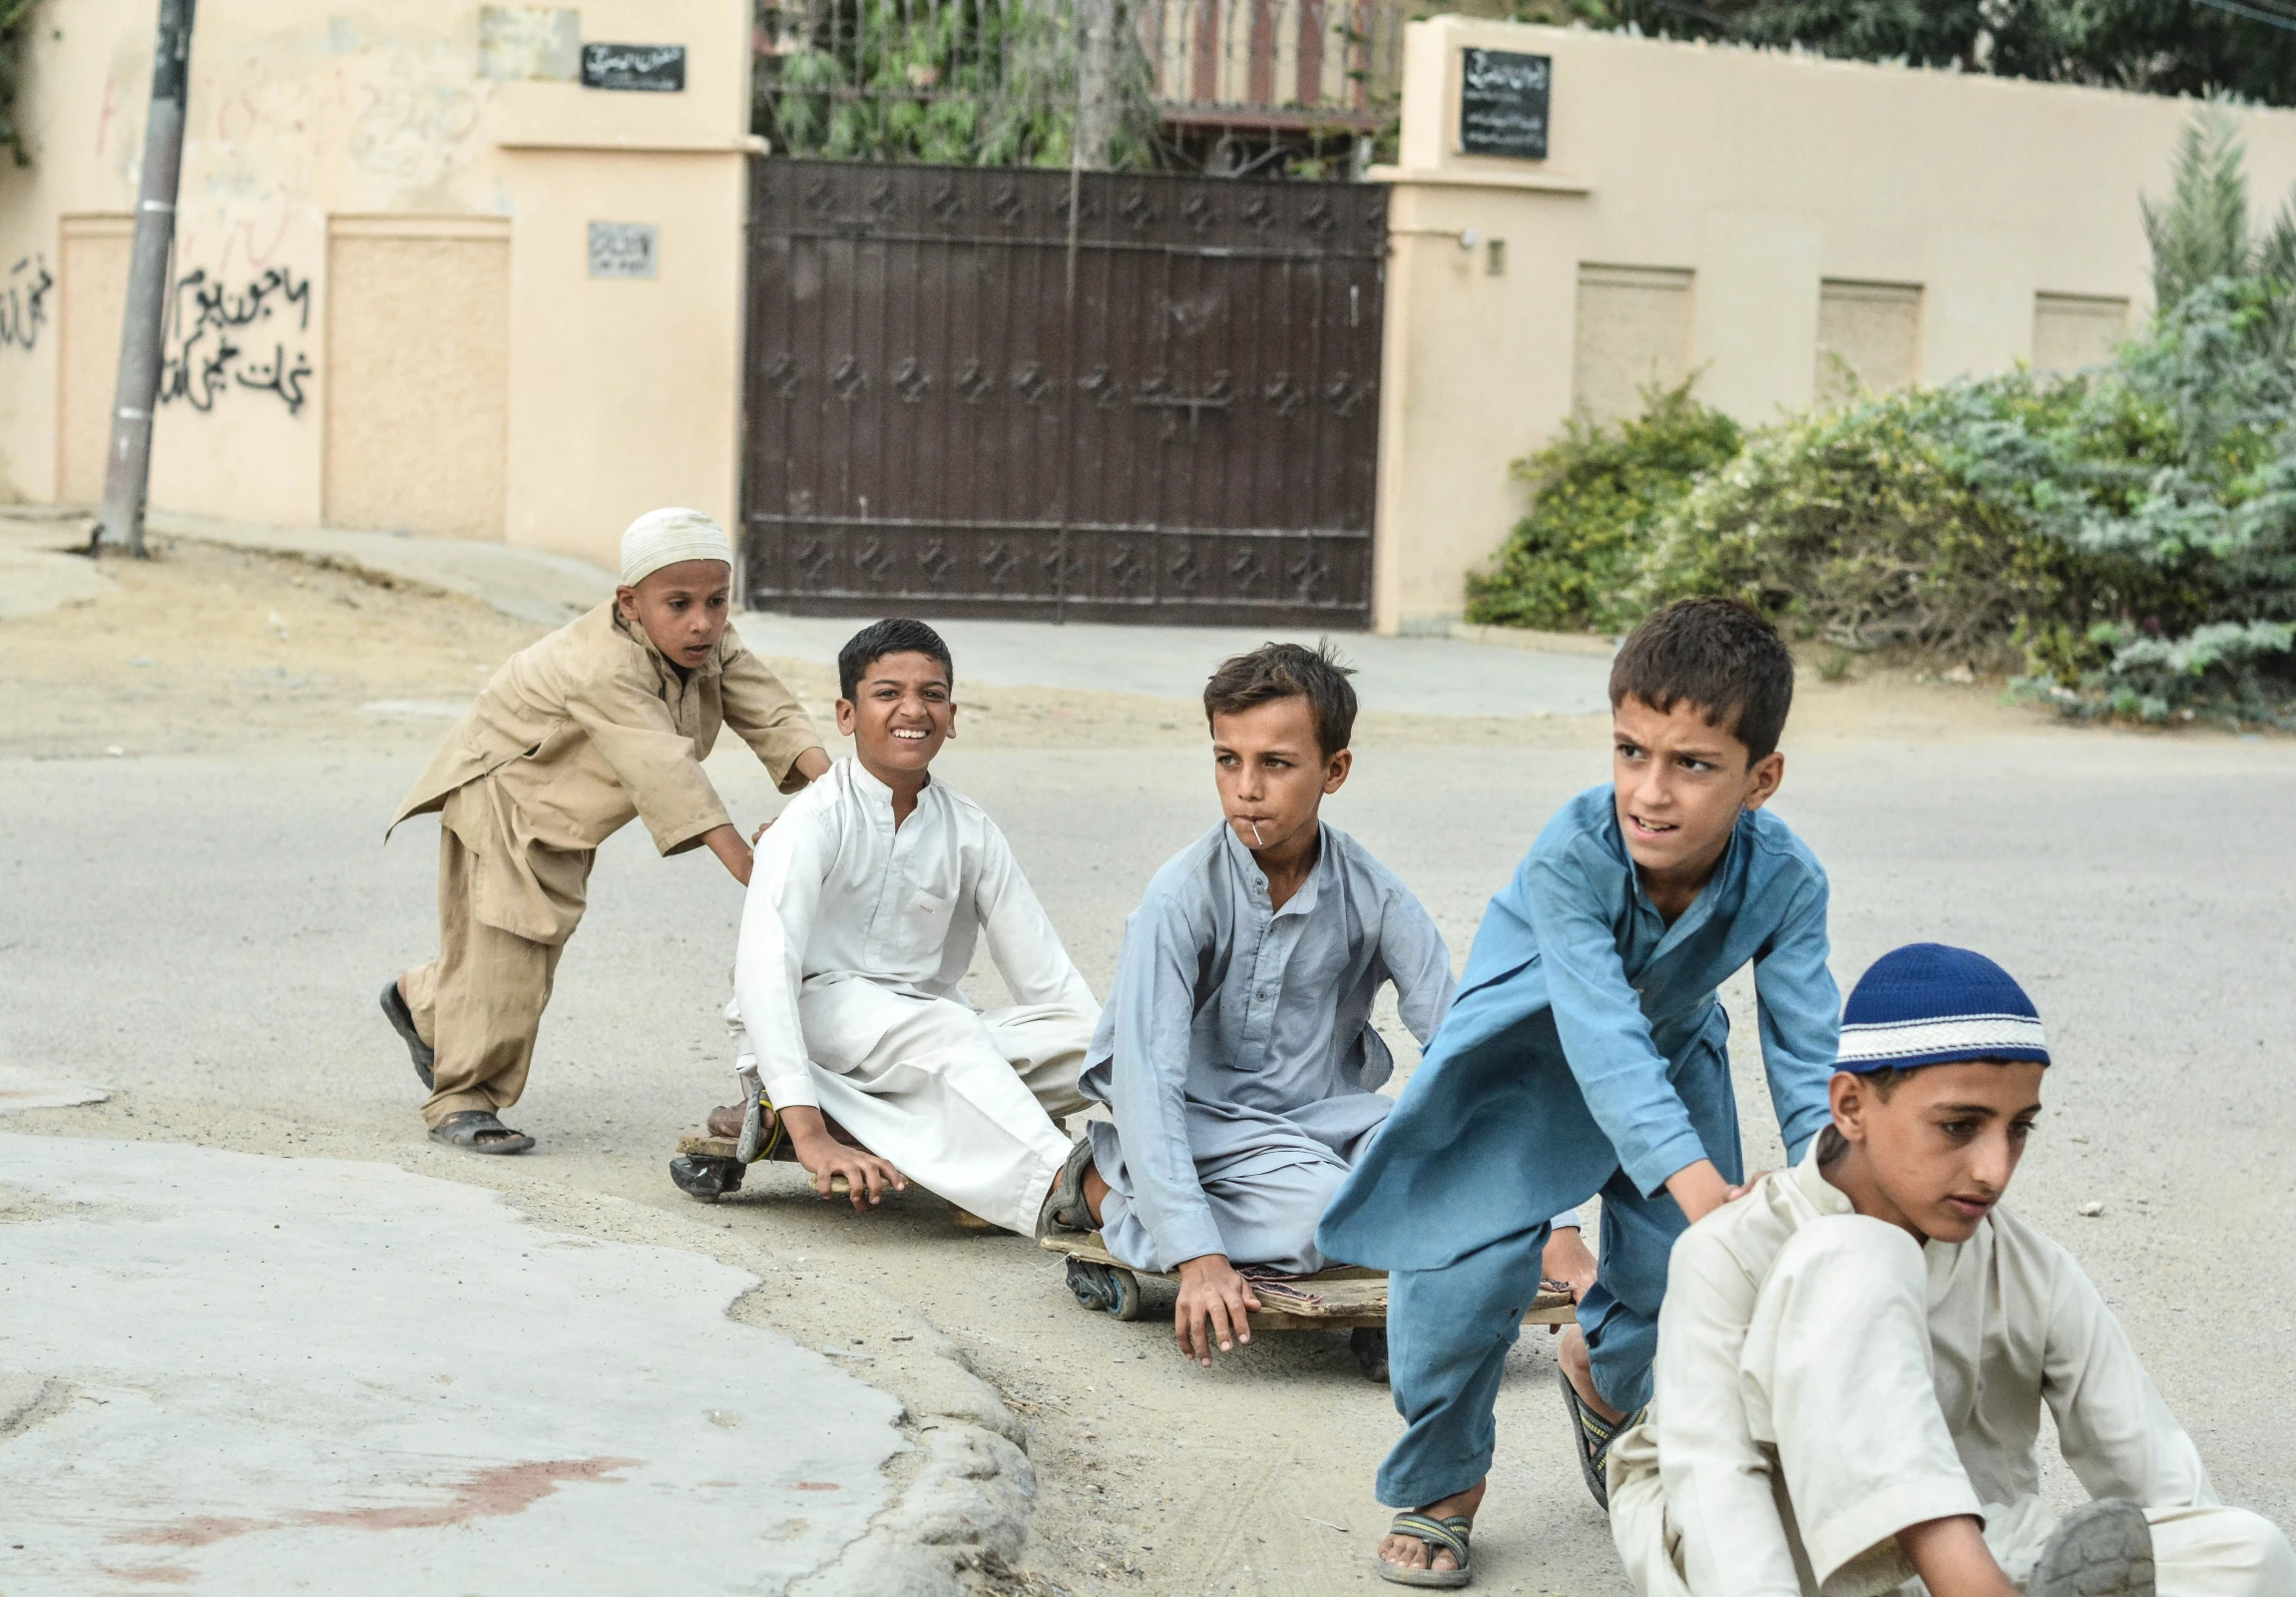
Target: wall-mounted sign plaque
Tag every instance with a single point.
(624, 248)
(649, 67)
(1503, 104)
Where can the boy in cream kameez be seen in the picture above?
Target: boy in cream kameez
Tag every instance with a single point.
(1854, 1357)
(606, 720)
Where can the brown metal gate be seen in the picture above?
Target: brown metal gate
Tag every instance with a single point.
(961, 404)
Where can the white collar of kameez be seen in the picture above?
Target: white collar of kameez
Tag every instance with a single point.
(866, 786)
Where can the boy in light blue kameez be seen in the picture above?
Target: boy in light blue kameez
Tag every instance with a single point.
(1588, 1054)
(1236, 1049)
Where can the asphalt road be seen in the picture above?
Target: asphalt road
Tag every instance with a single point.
(209, 935)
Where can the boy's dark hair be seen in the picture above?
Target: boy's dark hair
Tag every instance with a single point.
(1719, 655)
(895, 635)
(1288, 671)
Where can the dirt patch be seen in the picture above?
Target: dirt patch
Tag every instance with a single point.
(205, 648)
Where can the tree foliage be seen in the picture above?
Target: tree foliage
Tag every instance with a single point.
(993, 83)
(2154, 46)
(15, 37)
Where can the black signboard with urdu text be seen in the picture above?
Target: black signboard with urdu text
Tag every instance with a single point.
(1503, 104)
(651, 67)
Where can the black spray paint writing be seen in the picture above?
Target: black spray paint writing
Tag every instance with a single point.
(24, 305)
(214, 338)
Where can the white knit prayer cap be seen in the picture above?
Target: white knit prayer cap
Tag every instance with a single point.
(665, 537)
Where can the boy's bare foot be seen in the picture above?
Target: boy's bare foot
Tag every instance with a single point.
(1578, 1369)
(1409, 1552)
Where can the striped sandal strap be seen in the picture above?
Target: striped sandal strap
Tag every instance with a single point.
(1450, 1534)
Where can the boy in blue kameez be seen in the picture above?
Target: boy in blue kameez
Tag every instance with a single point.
(1236, 1052)
(1588, 1054)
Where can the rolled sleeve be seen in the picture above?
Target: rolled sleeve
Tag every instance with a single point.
(653, 761)
(764, 715)
(1800, 1011)
(1605, 1037)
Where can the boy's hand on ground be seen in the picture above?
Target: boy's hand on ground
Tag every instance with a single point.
(1569, 1261)
(1213, 1302)
(863, 1171)
(825, 1158)
(1699, 1189)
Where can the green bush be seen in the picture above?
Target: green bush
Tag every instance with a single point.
(1596, 491)
(15, 40)
(2127, 535)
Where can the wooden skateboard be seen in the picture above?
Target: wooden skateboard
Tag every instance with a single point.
(710, 1166)
(1346, 1298)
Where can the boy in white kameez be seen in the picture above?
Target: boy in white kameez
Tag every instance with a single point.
(865, 902)
(1853, 1356)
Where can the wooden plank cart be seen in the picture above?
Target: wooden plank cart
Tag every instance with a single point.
(1347, 1298)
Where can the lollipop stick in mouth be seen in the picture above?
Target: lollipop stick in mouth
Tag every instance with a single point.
(1256, 840)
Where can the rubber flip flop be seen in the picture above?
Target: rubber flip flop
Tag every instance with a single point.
(401, 1019)
(2100, 1549)
(1064, 1208)
(1440, 1535)
(465, 1129)
(1593, 1435)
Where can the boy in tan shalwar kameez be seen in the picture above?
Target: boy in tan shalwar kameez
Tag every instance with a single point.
(1853, 1357)
(607, 718)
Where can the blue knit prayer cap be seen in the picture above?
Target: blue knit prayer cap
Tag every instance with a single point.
(1927, 1004)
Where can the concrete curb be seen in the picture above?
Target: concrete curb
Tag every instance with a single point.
(962, 1497)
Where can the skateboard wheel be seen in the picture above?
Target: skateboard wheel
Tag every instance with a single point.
(1369, 1345)
(1111, 1290)
(705, 1176)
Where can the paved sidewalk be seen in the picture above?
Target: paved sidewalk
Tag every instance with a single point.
(1478, 670)
(230, 1374)
(1414, 675)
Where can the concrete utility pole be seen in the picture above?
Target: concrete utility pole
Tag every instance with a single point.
(127, 465)
(1098, 105)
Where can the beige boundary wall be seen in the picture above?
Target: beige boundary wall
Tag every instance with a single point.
(1776, 223)
(382, 307)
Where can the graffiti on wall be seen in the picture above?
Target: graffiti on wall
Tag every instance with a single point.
(24, 302)
(216, 333)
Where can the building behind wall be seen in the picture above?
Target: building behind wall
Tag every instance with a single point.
(425, 280)
(1790, 229)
